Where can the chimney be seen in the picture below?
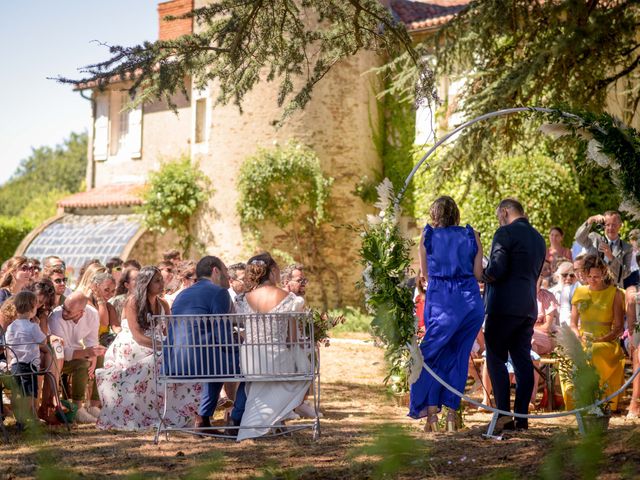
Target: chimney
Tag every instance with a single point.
(175, 28)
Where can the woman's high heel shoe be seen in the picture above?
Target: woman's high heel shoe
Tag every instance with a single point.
(452, 422)
(432, 424)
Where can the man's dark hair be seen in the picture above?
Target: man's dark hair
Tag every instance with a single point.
(206, 264)
(113, 263)
(165, 264)
(287, 273)
(512, 204)
(235, 268)
(170, 255)
(132, 263)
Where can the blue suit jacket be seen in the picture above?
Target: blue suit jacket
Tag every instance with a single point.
(183, 354)
(516, 259)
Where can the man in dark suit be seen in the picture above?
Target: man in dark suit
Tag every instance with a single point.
(517, 255)
(208, 296)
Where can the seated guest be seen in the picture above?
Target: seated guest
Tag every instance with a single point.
(294, 279)
(542, 341)
(168, 270)
(37, 269)
(58, 278)
(556, 252)
(114, 267)
(77, 324)
(597, 319)
(130, 400)
(45, 293)
(17, 276)
(269, 403)
(208, 296)
(186, 276)
(172, 256)
(236, 280)
(563, 290)
(124, 289)
(27, 340)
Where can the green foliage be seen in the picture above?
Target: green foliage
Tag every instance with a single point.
(284, 185)
(46, 174)
(395, 451)
(385, 254)
(42, 207)
(548, 191)
(241, 43)
(286, 188)
(568, 52)
(394, 141)
(609, 143)
(12, 231)
(354, 321)
(173, 198)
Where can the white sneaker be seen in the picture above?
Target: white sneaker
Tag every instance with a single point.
(83, 416)
(95, 411)
(291, 416)
(307, 411)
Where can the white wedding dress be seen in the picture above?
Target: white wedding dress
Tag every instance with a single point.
(269, 402)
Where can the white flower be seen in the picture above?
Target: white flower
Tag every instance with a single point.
(594, 152)
(385, 194)
(555, 130)
(632, 207)
(374, 220)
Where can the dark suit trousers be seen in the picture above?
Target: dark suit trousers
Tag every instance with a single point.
(510, 335)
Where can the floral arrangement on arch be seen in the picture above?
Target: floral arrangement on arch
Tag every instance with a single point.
(385, 254)
(609, 143)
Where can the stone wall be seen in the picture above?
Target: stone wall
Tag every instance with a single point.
(337, 124)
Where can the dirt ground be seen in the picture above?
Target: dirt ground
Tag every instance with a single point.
(356, 407)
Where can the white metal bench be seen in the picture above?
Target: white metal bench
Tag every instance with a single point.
(237, 348)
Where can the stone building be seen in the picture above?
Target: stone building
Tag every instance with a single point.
(125, 145)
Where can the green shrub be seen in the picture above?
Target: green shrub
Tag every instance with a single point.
(175, 194)
(355, 321)
(12, 231)
(548, 190)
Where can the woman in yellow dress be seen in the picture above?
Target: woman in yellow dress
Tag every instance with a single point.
(597, 311)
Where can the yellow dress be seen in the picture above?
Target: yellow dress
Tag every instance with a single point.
(595, 308)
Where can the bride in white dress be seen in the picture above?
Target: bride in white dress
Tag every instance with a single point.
(268, 403)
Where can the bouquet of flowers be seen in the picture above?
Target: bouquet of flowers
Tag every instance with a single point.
(323, 322)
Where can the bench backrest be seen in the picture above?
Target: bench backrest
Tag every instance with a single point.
(235, 347)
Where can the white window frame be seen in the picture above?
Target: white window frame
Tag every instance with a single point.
(199, 95)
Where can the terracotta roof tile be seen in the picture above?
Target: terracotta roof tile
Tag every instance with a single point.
(105, 196)
(419, 14)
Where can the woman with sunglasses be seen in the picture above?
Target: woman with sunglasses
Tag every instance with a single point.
(566, 284)
(59, 280)
(130, 400)
(17, 276)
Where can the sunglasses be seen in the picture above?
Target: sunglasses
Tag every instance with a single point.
(116, 269)
(60, 280)
(301, 281)
(570, 275)
(26, 268)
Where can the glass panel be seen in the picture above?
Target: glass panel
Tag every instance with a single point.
(78, 238)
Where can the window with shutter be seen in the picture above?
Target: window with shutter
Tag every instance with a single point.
(101, 127)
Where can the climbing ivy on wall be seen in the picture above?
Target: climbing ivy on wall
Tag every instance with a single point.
(394, 139)
(174, 195)
(285, 187)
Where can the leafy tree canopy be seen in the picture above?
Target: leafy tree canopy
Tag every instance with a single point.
(568, 53)
(240, 43)
(47, 175)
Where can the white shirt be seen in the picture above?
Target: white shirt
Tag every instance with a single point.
(232, 294)
(76, 336)
(22, 337)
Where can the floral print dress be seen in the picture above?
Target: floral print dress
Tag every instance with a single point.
(130, 400)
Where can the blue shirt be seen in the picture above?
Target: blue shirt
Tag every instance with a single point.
(188, 349)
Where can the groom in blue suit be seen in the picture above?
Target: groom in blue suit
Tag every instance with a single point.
(208, 296)
(517, 255)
